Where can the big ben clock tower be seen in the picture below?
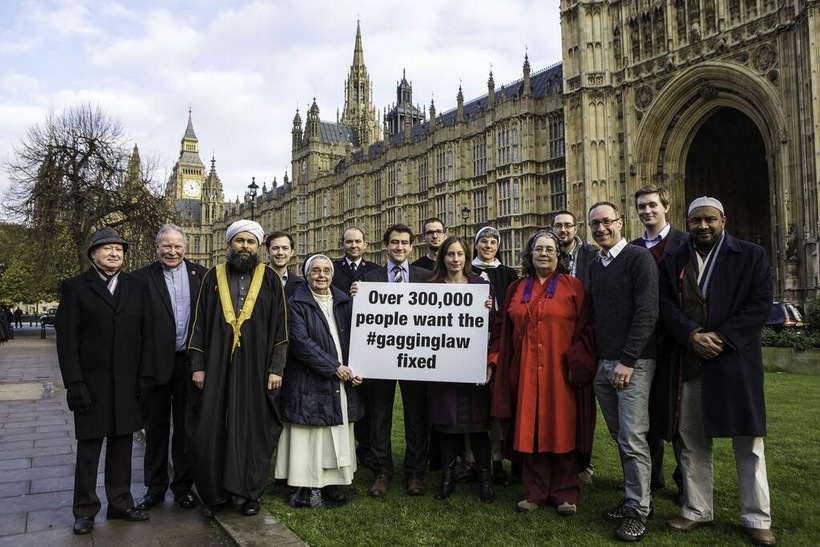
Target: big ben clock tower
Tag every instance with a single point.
(188, 175)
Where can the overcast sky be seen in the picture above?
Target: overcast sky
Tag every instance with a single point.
(244, 67)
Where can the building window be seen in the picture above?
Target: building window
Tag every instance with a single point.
(302, 211)
(399, 215)
(479, 158)
(358, 193)
(325, 205)
(197, 247)
(423, 174)
(399, 182)
(480, 205)
(558, 189)
(451, 207)
(449, 164)
(506, 144)
(556, 137)
(441, 165)
(509, 197)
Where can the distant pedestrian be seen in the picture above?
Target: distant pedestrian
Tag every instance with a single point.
(99, 328)
(18, 318)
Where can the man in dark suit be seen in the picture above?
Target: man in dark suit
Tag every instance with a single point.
(659, 237)
(172, 286)
(715, 297)
(351, 267)
(99, 328)
(581, 254)
(398, 242)
(280, 246)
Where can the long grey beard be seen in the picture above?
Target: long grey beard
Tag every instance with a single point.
(240, 263)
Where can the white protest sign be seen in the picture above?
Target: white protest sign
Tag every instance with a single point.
(436, 332)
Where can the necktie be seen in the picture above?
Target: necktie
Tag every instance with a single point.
(398, 274)
(353, 267)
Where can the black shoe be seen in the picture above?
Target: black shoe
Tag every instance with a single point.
(149, 500)
(207, 512)
(622, 511)
(500, 477)
(185, 500)
(333, 493)
(302, 497)
(633, 527)
(250, 508)
(132, 515)
(83, 525)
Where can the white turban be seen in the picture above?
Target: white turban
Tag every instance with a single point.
(245, 226)
(705, 201)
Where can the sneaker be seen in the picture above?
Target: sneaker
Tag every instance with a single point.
(621, 511)
(525, 506)
(585, 476)
(566, 509)
(633, 527)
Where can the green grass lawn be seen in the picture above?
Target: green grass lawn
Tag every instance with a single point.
(792, 451)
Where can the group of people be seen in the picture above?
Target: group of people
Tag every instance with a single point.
(247, 360)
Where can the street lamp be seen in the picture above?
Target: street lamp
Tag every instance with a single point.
(465, 214)
(252, 188)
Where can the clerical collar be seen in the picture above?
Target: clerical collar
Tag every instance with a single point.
(174, 269)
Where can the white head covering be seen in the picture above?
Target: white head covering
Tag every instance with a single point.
(487, 231)
(309, 260)
(245, 226)
(705, 201)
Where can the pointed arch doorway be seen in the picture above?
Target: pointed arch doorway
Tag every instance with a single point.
(726, 159)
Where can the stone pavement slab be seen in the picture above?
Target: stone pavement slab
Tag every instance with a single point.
(37, 454)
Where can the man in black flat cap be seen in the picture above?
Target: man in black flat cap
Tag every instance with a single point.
(99, 345)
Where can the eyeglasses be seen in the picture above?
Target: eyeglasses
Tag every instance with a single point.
(564, 225)
(606, 223)
(434, 233)
(316, 272)
(540, 250)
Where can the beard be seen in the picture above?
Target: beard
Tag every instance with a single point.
(241, 263)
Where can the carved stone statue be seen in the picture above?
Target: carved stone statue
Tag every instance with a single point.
(791, 243)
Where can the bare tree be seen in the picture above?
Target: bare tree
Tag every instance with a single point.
(74, 174)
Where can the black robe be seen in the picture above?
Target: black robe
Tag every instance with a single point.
(234, 422)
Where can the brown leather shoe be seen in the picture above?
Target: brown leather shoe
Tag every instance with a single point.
(683, 524)
(379, 487)
(761, 536)
(415, 487)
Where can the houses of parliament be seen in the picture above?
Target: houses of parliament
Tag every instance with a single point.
(717, 97)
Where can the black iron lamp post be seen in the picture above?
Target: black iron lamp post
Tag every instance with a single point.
(252, 188)
(465, 214)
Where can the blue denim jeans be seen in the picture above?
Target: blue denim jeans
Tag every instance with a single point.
(626, 412)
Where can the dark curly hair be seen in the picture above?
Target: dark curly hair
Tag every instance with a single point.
(527, 266)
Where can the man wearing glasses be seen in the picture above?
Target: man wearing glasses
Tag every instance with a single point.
(581, 254)
(398, 242)
(624, 289)
(434, 236)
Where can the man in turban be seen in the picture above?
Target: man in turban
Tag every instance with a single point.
(238, 347)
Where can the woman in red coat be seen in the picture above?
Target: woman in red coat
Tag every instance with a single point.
(542, 345)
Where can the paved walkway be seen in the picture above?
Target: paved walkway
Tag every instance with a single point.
(37, 453)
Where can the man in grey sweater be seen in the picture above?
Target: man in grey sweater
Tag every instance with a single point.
(624, 290)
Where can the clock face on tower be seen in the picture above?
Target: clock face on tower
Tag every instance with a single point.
(191, 189)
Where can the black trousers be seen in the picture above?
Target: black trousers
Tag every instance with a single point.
(414, 401)
(161, 405)
(117, 475)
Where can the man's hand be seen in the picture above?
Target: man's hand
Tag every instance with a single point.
(621, 376)
(344, 373)
(198, 378)
(274, 382)
(707, 345)
(78, 398)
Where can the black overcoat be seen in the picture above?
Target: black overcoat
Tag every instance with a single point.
(738, 303)
(100, 342)
(161, 337)
(310, 387)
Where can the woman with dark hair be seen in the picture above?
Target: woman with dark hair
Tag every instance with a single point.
(317, 450)
(542, 345)
(455, 409)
